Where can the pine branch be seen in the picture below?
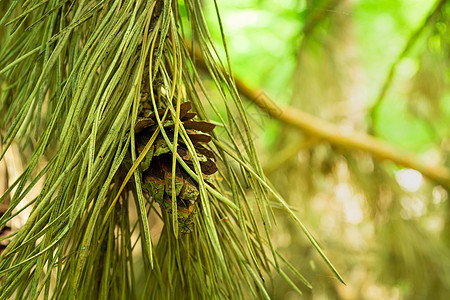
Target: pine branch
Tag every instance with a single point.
(90, 81)
(345, 138)
(337, 136)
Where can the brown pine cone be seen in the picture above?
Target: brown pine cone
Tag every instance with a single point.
(157, 164)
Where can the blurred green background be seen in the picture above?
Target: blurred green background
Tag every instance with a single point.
(386, 228)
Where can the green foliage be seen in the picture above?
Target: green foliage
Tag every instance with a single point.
(72, 79)
(72, 82)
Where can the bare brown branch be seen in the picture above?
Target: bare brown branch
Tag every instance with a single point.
(335, 135)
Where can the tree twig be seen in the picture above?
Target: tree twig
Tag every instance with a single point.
(333, 134)
(390, 76)
(285, 155)
(344, 138)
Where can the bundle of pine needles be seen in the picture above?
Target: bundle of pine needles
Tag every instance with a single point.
(99, 90)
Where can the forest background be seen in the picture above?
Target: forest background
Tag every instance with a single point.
(380, 67)
(349, 106)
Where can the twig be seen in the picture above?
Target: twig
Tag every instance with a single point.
(334, 134)
(390, 76)
(288, 152)
(344, 138)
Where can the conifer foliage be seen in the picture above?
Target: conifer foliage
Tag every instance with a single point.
(108, 99)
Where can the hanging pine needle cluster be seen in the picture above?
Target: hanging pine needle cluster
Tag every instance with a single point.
(156, 166)
(108, 99)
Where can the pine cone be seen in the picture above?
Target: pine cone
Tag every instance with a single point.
(157, 164)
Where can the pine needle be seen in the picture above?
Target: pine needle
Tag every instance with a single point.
(73, 74)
